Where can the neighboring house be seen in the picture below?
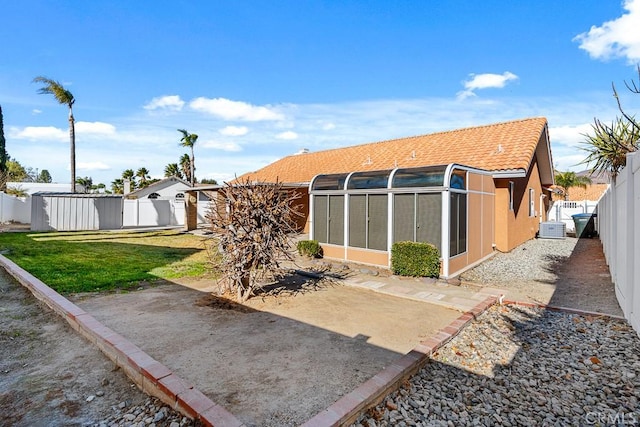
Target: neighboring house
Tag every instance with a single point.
(43, 187)
(160, 204)
(467, 191)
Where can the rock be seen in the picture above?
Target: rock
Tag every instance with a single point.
(159, 416)
(90, 398)
(99, 393)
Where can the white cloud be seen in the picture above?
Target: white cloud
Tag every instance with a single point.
(95, 128)
(619, 38)
(35, 111)
(35, 133)
(288, 135)
(235, 110)
(569, 135)
(167, 102)
(222, 145)
(92, 166)
(485, 81)
(234, 130)
(328, 126)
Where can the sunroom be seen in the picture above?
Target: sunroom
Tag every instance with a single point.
(358, 216)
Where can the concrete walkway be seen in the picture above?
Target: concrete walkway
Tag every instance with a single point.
(458, 297)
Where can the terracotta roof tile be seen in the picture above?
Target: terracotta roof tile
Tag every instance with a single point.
(496, 147)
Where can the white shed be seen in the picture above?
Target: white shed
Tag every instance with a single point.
(75, 212)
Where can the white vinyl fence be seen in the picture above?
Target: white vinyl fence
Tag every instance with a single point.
(152, 212)
(159, 212)
(562, 210)
(619, 215)
(16, 209)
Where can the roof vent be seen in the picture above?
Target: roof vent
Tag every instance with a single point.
(500, 149)
(303, 151)
(368, 161)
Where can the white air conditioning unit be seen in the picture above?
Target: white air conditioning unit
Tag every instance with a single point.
(553, 230)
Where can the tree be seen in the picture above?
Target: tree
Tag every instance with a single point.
(3, 155)
(185, 167)
(117, 186)
(189, 140)
(566, 180)
(209, 181)
(44, 176)
(86, 182)
(63, 96)
(608, 146)
(15, 171)
(129, 175)
(252, 222)
(143, 174)
(172, 169)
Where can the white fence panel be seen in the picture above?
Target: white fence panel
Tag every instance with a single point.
(16, 209)
(618, 212)
(153, 212)
(562, 210)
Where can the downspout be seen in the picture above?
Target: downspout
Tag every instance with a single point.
(542, 210)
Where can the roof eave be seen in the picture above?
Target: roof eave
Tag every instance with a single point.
(510, 173)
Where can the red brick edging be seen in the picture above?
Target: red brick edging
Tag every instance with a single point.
(347, 409)
(147, 373)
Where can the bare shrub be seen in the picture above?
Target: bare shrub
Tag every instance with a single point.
(252, 223)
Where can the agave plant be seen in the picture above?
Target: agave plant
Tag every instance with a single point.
(608, 145)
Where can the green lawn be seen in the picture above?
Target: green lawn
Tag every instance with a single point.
(88, 261)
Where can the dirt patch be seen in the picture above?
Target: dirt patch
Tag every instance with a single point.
(47, 371)
(283, 358)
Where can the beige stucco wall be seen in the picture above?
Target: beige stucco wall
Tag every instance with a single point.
(514, 227)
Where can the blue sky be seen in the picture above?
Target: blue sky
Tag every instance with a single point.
(260, 80)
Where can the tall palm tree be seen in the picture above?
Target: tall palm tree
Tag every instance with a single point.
(143, 174)
(189, 140)
(566, 180)
(172, 169)
(63, 96)
(186, 167)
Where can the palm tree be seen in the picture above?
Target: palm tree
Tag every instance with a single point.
(172, 169)
(129, 175)
(143, 174)
(186, 167)
(566, 180)
(189, 140)
(63, 96)
(86, 182)
(117, 186)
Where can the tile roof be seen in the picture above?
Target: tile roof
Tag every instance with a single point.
(592, 192)
(496, 147)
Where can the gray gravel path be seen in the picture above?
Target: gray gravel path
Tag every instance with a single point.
(524, 366)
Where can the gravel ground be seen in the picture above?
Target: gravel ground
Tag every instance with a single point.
(524, 366)
(533, 262)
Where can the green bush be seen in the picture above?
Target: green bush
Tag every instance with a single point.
(310, 248)
(415, 259)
